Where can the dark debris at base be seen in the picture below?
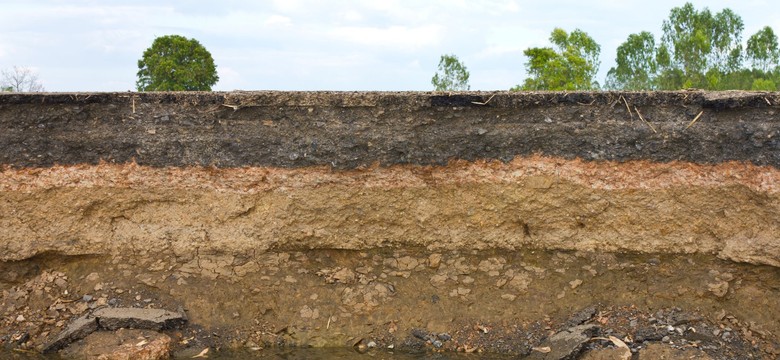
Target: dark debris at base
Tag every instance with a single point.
(609, 333)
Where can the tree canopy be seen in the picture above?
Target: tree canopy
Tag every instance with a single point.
(698, 49)
(636, 64)
(571, 64)
(452, 75)
(176, 63)
(762, 50)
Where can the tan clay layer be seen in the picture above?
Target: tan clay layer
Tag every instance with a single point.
(728, 209)
(605, 175)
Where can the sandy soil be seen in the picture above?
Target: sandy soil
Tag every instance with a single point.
(543, 203)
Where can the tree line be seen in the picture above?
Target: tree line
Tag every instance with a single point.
(697, 49)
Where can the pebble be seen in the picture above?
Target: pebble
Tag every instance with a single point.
(434, 260)
(87, 298)
(666, 339)
(575, 283)
(420, 334)
(20, 318)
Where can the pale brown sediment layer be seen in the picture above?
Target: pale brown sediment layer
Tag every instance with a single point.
(728, 209)
(606, 175)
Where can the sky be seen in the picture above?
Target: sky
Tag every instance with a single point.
(383, 45)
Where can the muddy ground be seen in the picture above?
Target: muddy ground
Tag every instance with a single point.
(412, 301)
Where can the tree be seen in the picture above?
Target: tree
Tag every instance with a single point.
(636, 61)
(176, 63)
(571, 65)
(20, 79)
(762, 50)
(701, 47)
(451, 76)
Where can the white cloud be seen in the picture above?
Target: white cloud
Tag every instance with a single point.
(351, 16)
(398, 37)
(498, 50)
(116, 40)
(278, 21)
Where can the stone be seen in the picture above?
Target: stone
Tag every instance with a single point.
(575, 283)
(407, 263)
(114, 319)
(434, 260)
(123, 344)
(420, 334)
(76, 330)
(581, 316)
(565, 344)
(152, 319)
(719, 288)
(309, 313)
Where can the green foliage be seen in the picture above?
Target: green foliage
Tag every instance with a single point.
(702, 46)
(763, 85)
(571, 65)
(698, 49)
(176, 63)
(451, 76)
(762, 49)
(637, 66)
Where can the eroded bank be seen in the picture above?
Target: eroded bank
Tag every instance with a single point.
(166, 196)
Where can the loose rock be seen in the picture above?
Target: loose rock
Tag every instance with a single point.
(565, 344)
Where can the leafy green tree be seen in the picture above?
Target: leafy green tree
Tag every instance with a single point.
(636, 61)
(451, 76)
(762, 50)
(763, 85)
(701, 47)
(571, 65)
(176, 63)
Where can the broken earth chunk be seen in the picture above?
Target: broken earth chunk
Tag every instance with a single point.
(114, 319)
(564, 344)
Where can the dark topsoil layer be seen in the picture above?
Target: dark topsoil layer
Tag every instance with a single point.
(354, 129)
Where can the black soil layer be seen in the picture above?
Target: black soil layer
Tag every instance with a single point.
(350, 130)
